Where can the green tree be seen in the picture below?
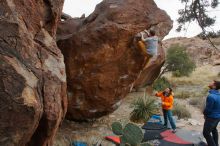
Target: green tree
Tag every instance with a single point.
(161, 84)
(178, 61)
(198, 10)
(210, 34)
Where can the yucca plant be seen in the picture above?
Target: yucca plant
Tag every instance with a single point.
(143, 109)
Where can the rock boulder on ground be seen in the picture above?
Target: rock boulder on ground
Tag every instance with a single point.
(101, 60)
(32, 73)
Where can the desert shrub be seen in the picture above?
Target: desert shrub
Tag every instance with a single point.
(181, 111)
(182, 95)
(143, 109)
(194, 101)
(205, 90)
(201, 77)
(176, 73)
(197, 102)
(179, 62)
(161, 84)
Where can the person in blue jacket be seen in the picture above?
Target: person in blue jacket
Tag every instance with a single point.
(212, 114)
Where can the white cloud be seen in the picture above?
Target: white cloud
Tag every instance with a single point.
(76, 8)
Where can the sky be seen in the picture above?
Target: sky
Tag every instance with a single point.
(76, 8)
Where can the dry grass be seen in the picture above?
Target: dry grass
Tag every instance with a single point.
(198, 102)
(201, 76)
(193, 88)
(183, 95)
(181, 111)
(194, 92)
(216, 41)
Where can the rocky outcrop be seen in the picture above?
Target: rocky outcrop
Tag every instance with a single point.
(201, 51)
(101, 60)
(32, 73)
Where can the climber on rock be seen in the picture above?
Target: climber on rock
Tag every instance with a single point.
(151, 42)
(148, 44)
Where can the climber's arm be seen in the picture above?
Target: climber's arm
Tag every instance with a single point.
(142, 37)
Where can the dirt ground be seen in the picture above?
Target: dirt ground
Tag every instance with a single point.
(95, 131)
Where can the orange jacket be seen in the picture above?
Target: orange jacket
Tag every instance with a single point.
(167, 102)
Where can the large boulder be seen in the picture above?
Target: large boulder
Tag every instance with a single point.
(101, 60)
(32, 73)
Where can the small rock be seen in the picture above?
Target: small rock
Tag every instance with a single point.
(180, 124)
(193, 122)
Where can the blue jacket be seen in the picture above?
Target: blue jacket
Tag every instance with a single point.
(212, 109)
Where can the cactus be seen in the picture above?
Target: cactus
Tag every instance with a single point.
(117, 128)
(124, 141)
(145, 144)
(131, 135)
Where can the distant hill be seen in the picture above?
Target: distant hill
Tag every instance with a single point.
(200, 50)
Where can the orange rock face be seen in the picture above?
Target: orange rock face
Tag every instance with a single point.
(102, 63)
(32, 73)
